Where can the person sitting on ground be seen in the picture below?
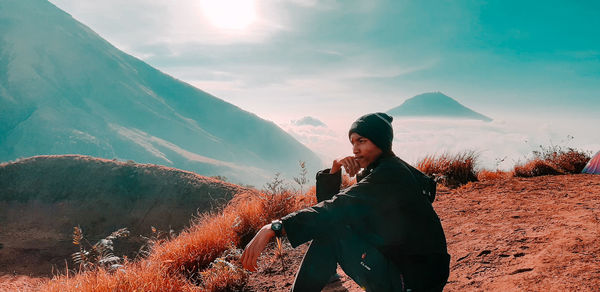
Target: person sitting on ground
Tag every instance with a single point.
(382, 231)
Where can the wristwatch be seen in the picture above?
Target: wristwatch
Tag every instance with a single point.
(277, 227)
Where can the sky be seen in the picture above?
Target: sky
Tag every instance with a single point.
(532, 66)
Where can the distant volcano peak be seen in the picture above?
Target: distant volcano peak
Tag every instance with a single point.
(435, 104)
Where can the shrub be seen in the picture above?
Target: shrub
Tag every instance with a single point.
(553, 160)
(451, 170)
(536, 167)
(570, 161)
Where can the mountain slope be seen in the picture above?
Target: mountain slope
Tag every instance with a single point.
(435, 104)
(63, 89)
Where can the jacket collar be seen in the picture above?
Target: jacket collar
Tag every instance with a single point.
(373, 165)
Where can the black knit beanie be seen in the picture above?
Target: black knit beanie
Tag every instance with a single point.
(377, 127)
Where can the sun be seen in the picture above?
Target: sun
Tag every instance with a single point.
(229, 14)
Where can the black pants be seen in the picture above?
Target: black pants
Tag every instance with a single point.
(368, 267)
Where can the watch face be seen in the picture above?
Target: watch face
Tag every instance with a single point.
(276, 225)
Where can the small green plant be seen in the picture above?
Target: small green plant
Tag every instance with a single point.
(99, 255)
(279, 252)
(223, 275)
(276, 186)
(155, 238)
(302, 179)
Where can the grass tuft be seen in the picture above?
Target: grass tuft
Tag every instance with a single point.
(452, 170)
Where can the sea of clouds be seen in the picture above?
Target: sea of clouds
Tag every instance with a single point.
(499, 144)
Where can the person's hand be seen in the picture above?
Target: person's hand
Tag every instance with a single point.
(349, 163)
(255, 247)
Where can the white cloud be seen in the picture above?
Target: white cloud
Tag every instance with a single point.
(499, 143)
(496, 141)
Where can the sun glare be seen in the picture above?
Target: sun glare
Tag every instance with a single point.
(229, 14)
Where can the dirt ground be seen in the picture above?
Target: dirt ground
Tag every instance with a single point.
(518, 234)
(273, 275)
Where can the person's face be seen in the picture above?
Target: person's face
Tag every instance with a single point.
(364, 150)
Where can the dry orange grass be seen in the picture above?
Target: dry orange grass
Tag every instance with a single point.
(307, 199)
(450, 170)
(536, 167)
(140, 276)
(570, 161)
(486, 175)
(553, 161)
(184, 262)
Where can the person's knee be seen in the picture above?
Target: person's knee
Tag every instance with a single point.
(426, 272)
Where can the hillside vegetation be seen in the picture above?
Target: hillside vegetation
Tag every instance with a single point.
(42, 198)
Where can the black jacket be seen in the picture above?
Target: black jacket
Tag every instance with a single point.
(386, 208)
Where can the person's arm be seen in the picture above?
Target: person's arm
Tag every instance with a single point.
(348, 207)
(255, 247)
(306, 224)
(328, 184)
(329, 180)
